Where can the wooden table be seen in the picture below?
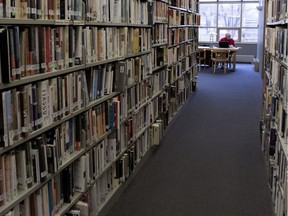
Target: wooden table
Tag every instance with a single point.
(232, 50)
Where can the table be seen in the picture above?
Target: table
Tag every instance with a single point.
(233, 51)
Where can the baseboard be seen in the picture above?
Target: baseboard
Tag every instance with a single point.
(245, 58)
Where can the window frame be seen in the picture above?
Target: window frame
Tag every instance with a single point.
(239, 29)
(229, 29)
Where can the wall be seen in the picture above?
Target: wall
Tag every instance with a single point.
(247, 53)
(261, 36)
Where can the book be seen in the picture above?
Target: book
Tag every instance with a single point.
(8, 120)
(21, 169)
(120, 76)
(5, 55)
(24, 207)
(28, 163)
(12, 54)
(18, 60)
(35, 165)
(80, 174)
(67, 184)
(52, 155)
(156, 137)
(135, 41)
(78, 46)
(2, 9)
(2, 180)
(45, 199)
(41, 161)
(43, 48)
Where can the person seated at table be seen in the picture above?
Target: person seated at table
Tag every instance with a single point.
(231, 41)
(228, 38)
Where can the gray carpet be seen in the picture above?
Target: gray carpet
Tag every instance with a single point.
(209, 162)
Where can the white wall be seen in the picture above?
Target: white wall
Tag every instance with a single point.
(261, 36)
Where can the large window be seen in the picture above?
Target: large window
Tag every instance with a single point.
(238, 17)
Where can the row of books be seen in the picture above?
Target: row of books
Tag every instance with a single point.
(276, 155)
(278, 85)
(79, 175)
(180, 35)
(160, 11)
(159, 56)
(276, 10)
(279, 189)
(34, 50)
(74, 178)
(129, 131)
(178, 53)
(137, 96)
(123, 168)
(105, 104)
(100, 80)
(38, 105)
(24, 167)
(160, 108)
(274, 110)
(276, 43)
(159, 81)
(101, 119)
(159, 34)
(173, 54)
(30, 166)
(49, 9)
(114, 11)
(39, 116)
(60, 143)
(133, 71)
(119, 173)
(189, 5)
(178, 17)
(180, 92)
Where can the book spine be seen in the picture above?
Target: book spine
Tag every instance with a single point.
(2, 181)
(71, 46)
(41, 149)
(5, 69)
(67, 187)
(33, 9)
(120, 77)
(42, 48)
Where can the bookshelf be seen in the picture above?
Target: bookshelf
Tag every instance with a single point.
(183, 22)
(273, 124)
(87, 90)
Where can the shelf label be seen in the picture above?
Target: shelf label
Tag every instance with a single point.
(62, 22)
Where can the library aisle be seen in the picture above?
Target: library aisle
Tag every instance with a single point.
(210, 161)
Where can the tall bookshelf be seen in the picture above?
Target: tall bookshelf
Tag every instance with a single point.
(273, 125)
(87, 90)
(183, 22)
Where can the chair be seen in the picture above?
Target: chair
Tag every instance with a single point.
(220, 57)
(202, 57)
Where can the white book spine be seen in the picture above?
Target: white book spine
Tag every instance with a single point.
(80, 174)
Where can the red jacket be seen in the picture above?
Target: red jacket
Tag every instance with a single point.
(230, 40)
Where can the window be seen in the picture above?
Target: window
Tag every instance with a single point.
(208, 14)
(250, 15)
(229, 15)
(238, 17)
